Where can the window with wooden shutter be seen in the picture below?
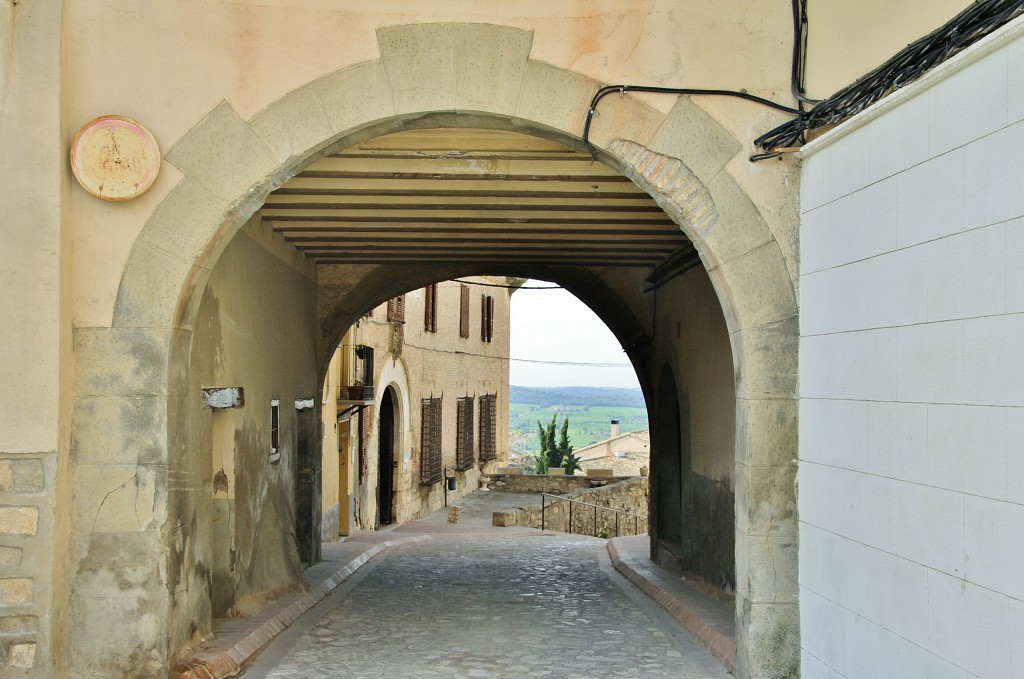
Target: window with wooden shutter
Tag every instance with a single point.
(488, 427)
(486, 318)
(396, 309)
(430, 309)
(464, 312)
(430, 441)
(464, 437)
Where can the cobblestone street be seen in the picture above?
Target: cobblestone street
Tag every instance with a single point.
(530, 606)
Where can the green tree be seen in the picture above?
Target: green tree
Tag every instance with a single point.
(569, 461)
(546, 437)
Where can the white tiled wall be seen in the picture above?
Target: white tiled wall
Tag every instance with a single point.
(912, 382)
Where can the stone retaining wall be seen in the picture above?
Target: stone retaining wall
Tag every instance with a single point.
(629, 495)
(560, 485)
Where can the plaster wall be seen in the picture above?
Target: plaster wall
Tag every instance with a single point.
(912, 412)
(237, 514)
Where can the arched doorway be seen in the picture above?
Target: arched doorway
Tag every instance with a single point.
(388, 443)
(165, 281)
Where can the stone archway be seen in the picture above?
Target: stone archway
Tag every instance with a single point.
(137, 366)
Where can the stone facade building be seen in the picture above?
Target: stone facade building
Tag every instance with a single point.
(848, 317)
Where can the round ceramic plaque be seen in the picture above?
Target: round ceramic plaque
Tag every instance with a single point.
(115, 158)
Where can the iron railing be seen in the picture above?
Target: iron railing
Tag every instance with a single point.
(596, 508)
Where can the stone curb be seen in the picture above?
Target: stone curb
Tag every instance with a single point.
(720, 644)
(228, 660)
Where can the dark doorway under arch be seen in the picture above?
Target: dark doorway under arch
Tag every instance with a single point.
(386, 467)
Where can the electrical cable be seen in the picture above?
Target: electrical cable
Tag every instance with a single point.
(906, 66)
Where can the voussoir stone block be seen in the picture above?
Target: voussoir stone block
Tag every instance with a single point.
(762, 291)
(420, 63)
(224, 155)
(150, 289)
(771, 504)
(555, 97)
(693, 136)
(740, 228)
(490, 65)
(293, 125)
(623, 117)
(111, 430)
(770, 569)
(185, 222)
(355, 95)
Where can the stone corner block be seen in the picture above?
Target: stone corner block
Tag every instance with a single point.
(114, 430)
(556, 98)
(150, 289)
(19, 520)
(22, 476)
(740, 227)
(293, 125)
(692, 135)
(761, 290)
(420, 63)
(766, 432)
(768, 640)
(223, 154)
(490, 65)
(766, 359)
(120, 498)
(124, 361)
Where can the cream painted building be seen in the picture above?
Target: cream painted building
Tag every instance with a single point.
(441, 350)
(848, 316)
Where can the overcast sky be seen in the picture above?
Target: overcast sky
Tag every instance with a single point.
(552, 325)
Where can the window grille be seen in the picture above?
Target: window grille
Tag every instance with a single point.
(396, 309)
(464, 438)
(486, 318)
(430, 442)
(464, 312)
(430, 309)
(488, 427)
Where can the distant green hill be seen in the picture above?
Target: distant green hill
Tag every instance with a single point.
(589, 409)
(577, 396)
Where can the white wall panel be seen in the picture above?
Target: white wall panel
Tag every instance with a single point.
(931, 199)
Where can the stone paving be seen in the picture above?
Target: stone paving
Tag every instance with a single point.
(523, 606)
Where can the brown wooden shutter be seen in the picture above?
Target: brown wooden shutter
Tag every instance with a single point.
(486, 317)
(430, 309)
(396, 309)
(464, 312)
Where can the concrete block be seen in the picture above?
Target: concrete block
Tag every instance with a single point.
(119, 431)
(930, 527)
(970, 274)
(767, 361)
(1014, 272)
(355, 95)
(767, 640)
(993, 361)
(694, 137)
(556, 471)
(1014, 458)
(850, 229)
(930, 200)
(739, 229)
(821, 375)
(555, 98)
(845, 167)
(967, 449)
(150, 289)
(821, 630)
(16, 591)
(930, 363)
(897, 444)
(762, 291)
(119, 499)
(293, 126)
(898, 140)
(121, 361)
(624, 118)
(870, 650)
(223, 155)
(601, 472)
(18, 520)
(835, 433)
(419, 61)
(993, 546)
(766, 431)
(992, 188)
(116, 564)
(916, 663)
(968, 104)
(981, 648)
(490, 65)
